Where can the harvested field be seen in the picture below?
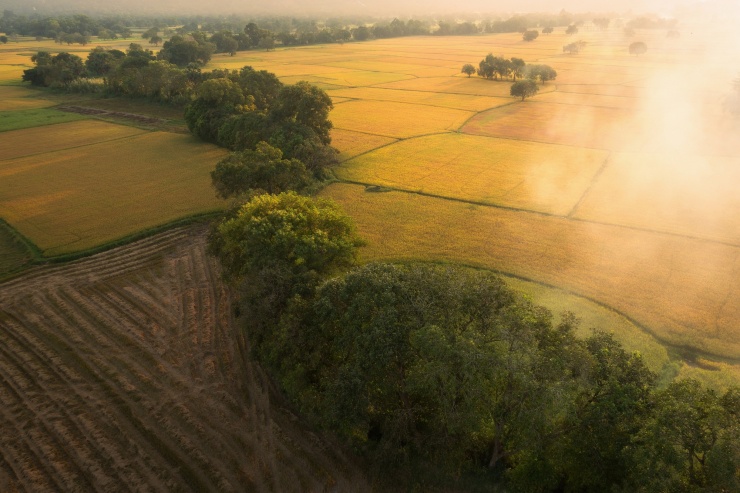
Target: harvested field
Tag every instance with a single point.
(126, 372)
(396, 120)
(74, 199)
(682, 289)
(38, 140)
(540, 177)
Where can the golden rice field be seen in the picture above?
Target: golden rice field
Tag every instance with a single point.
(79, 197)
(396, 120)
(39, 140)
(541, 177)
(580, 188)
(680, 289)
(660, 192)
(20, 98)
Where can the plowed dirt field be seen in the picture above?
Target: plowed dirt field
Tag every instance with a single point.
(126, 372)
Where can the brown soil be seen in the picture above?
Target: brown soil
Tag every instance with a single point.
(145, 121)
(126, 372)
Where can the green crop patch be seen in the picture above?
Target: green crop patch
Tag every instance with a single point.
(15, 120)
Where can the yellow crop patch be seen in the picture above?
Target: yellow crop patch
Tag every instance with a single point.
(683, 194)
(598, 100)
(689, 283)
(397, 120)
(461, 84)
(350, 144)
(38, 140)
(78, 198)
(525, 175)
(582, 126)
(456, 101)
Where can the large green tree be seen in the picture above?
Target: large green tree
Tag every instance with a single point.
(262, 169)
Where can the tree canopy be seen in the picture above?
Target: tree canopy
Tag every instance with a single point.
(524, 88)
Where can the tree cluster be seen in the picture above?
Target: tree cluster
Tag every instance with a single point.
(238, 109)
(64, 28)
(439, 373)
(494, 67)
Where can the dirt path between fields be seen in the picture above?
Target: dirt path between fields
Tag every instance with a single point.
(125, 372)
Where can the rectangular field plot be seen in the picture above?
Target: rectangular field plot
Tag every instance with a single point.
(580, 126)
(604, 89)
(455, 101)
(523, 175)
(396, 120)
(682, 194)
(351, 78)
(475, 86)
(19, 143)
(350, 144)
(78, 198)
(597, 100)
(682, 289)
(15, 120)
(21, 98)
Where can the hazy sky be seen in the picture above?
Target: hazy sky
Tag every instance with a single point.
(370, 7)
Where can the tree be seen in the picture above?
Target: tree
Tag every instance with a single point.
(689, 443)
(524, 88)
(423, 366)
(306, 105)
(602, 23)
(3, 39)
(267, 43)
(571, 30)
(530, 35)
(468, 69)
(518, 66)
(303, 234)
(540, 71)
(611, 406)
(547, 30)
(55, 71)
(183, 50)
(155, 40)
(637, 48)
(101, 61)
(263, 169)
(571, 48)
(277, 248)
(149, 33)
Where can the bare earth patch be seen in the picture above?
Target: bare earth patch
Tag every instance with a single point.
(126, 372)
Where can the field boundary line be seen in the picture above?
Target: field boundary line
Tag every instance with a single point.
(385, 188)
(38, 259)
(591, 184)
(78, 146)
(686, 353)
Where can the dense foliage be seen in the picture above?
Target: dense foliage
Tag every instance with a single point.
(437, 374)
(442, 372)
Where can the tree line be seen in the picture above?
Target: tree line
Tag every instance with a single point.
(441, 376)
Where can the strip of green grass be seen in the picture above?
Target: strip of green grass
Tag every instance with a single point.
(16, 120)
